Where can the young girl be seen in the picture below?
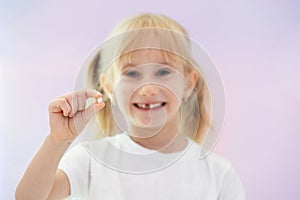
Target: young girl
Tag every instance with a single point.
(153, 118)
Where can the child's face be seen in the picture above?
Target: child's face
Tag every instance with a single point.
(149, 89)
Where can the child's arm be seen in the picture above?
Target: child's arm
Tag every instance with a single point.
(68, 116)
(37, 182)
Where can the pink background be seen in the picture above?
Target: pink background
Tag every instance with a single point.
(255, 45)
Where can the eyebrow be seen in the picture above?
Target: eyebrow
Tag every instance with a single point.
(127, 65)
(130, 64)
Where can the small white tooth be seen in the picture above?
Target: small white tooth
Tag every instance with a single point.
(151, 106)
(155, 105)
(141, 105)
(99, 100)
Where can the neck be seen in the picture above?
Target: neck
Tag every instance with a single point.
(166, 139)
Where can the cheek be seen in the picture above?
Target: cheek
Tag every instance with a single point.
(175, 88)
(175, 97)
(123, 92)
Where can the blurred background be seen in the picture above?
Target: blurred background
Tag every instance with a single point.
(255, 45)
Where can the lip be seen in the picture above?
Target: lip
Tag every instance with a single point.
(146, 106)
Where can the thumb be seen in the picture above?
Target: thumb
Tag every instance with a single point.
(87, 114)
(91, 110)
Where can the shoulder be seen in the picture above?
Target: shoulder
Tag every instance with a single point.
(214, 165)
(227, 179)
(210, 160)
(217, 162)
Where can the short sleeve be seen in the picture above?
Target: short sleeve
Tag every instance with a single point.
(76, 165)
(231, 188)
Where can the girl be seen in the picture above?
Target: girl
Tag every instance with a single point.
(157, 101)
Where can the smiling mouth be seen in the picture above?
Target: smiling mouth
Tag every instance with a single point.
(148, 106)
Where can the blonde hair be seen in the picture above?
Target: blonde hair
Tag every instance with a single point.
(170, 37)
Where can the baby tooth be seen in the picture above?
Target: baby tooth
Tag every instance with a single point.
(99, 100)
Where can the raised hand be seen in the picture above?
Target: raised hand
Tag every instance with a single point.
(68, 114)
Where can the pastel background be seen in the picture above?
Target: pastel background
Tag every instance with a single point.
(254, 43)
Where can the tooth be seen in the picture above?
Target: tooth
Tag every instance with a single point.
(142, 105)
(151, 106)
(99, 100)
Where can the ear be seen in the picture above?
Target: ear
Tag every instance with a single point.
(107, 87)
(192, 79)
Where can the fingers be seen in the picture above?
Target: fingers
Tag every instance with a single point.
(60, 105)
(77, 100)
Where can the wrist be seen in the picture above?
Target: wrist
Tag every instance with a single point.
(57, 142)
(58, 137)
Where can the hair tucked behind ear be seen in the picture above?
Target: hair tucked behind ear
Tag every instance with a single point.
(93, 71)
(202, 115)
(104, 116)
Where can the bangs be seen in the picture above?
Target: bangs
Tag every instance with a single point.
(173, 46)
(154, 56)
(154, 38)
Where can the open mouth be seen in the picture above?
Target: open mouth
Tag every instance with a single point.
(148, 106)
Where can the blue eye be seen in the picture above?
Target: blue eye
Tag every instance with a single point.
(133, 74)
(163, 72)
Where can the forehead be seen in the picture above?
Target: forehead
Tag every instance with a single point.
(146, 56)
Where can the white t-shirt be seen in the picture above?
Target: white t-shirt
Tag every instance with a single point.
(181, 175)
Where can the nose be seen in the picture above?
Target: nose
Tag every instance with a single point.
(148, 90)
